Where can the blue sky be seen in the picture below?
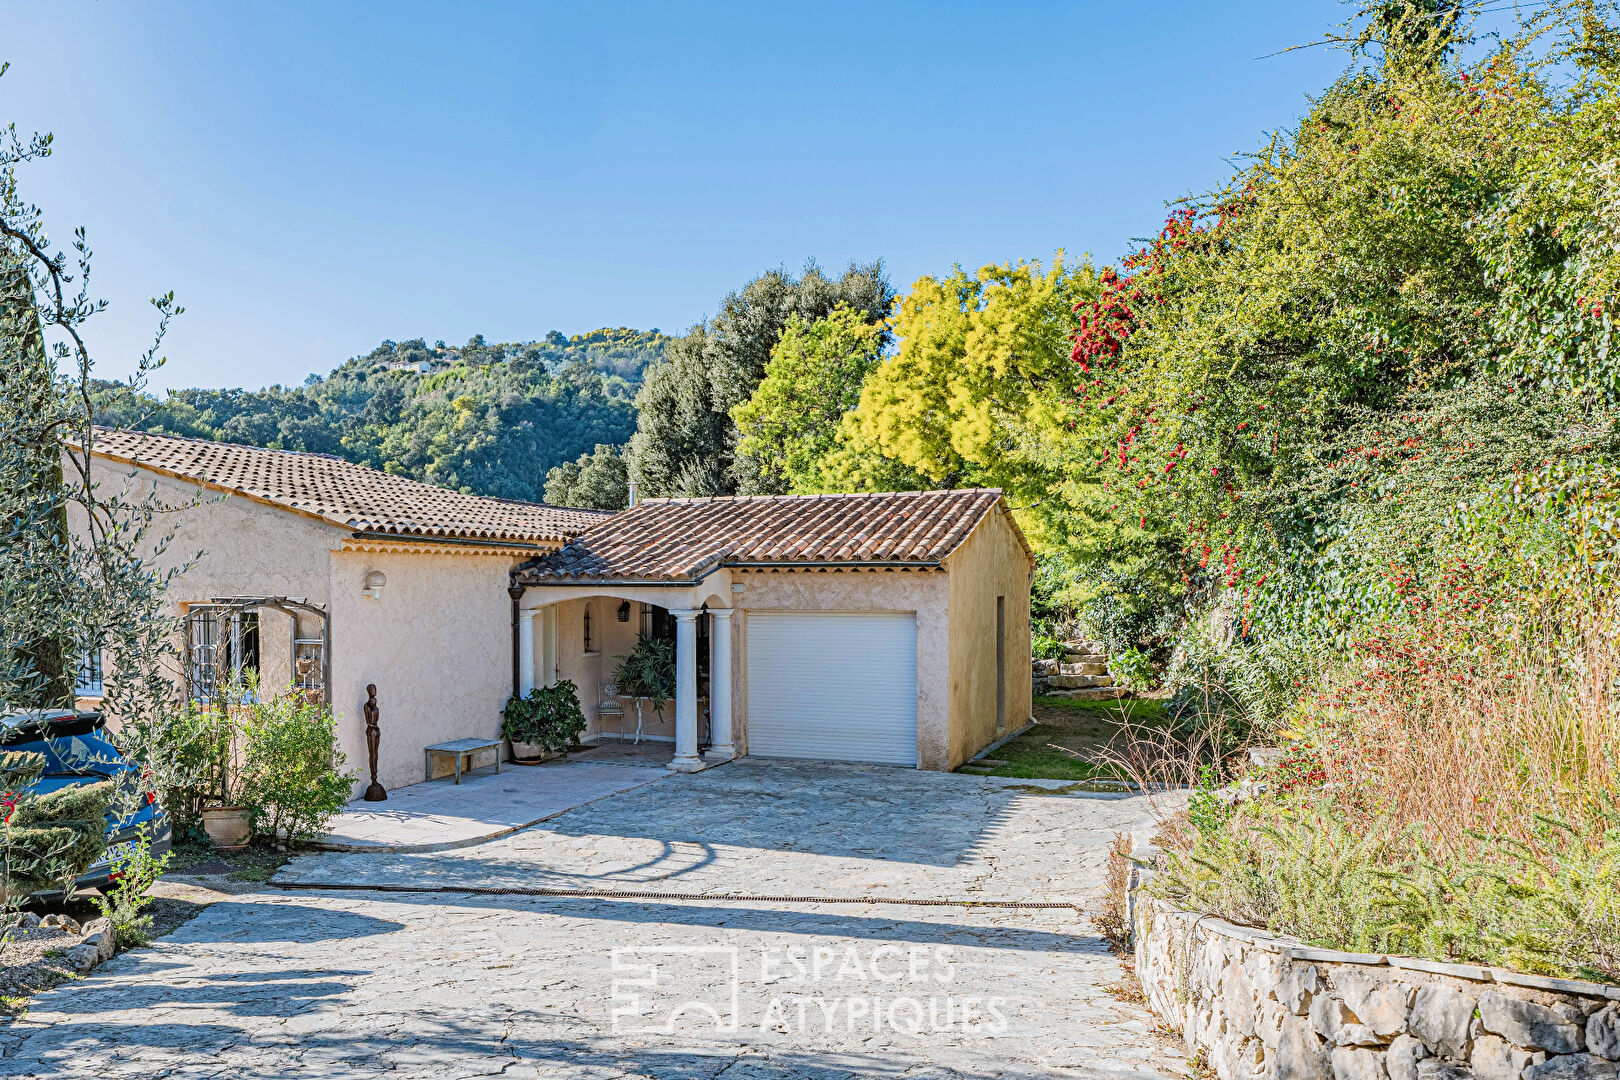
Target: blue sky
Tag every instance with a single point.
(311, 178)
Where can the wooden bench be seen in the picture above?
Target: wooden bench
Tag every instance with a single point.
(461, 749)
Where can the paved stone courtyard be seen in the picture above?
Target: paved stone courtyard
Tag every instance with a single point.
(351, 984)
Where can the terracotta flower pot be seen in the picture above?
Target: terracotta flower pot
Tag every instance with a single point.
(227, 827)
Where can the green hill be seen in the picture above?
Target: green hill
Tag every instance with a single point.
(483, 418)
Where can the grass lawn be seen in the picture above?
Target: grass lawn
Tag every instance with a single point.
(1065, 728)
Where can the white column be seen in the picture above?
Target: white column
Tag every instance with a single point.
(548, 645)
(686, 755)
(720, 683)
(525, 651)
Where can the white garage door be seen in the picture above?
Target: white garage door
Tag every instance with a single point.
(833, 686)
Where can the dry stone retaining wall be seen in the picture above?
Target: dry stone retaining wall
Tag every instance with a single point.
(1268, 1008)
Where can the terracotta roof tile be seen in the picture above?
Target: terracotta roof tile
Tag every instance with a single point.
(345, 494)
(685, 539)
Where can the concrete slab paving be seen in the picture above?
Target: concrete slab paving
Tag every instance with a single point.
(447, 986)
(441, 815)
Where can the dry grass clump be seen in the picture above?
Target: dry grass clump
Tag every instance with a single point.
(1111, 915)
(1454, 795)
(1456, 745)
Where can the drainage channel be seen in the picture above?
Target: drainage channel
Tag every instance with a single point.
(626, 894)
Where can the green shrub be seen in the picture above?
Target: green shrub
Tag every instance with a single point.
(1044, 646)
(184, 751)
(549, 717)
(46, 840)
(123, 903)
(1133, 668)
(291, 777)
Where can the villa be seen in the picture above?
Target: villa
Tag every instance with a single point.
(890, 628)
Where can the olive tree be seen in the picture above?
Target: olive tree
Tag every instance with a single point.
(79, 565)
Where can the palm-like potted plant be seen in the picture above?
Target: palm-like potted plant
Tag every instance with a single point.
(648, 672)
(545, 723)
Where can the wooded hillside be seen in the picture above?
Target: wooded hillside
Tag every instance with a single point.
(484, 418)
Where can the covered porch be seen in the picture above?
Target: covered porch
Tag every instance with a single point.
(582, 632)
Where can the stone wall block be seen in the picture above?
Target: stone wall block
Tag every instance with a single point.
(1206, 1026)
(1301, 1055)
(1494, 1058)
(1440, 1017)
(1239, 1059)
(1268, 1023)
(1329, 1014)
(1435, 1069)
(1559, 1029)
(1358, 1035)
(1378, 1003)
(1238, 1001)
(1299, 983)
(1574, 1067)
(1402, 1057)
(1265, 970)
(1603, 1032)
(1352, 1063)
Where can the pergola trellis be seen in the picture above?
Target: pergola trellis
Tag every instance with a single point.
(229, 611)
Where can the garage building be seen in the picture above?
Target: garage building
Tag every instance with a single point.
(890, 628)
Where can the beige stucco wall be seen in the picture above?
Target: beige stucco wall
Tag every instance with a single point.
(990, 563)
(235, 547)
(437, 644)
(923, 592)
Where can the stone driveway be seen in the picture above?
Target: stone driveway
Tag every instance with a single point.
(355, 984)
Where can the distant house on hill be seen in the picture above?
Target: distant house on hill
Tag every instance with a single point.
(421, 367)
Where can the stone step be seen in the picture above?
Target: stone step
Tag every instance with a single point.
(1093, 693)
(1078, 682)
(1074, 655)
(1089, 667)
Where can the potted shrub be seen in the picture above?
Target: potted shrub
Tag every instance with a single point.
(545, 723)
(221, 728)
(216, 729)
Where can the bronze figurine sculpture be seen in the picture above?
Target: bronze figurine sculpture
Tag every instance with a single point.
(375, 792)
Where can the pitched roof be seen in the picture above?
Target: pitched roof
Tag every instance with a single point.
(679, 540)
(345, 494)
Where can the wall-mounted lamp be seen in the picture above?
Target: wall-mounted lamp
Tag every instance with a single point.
(374, 584)
(624, 611)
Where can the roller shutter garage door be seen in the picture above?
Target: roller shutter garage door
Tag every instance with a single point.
(833, 686)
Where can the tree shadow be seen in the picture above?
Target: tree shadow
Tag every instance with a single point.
(510, 1041)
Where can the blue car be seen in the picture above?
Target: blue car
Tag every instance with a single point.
(77, 750)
